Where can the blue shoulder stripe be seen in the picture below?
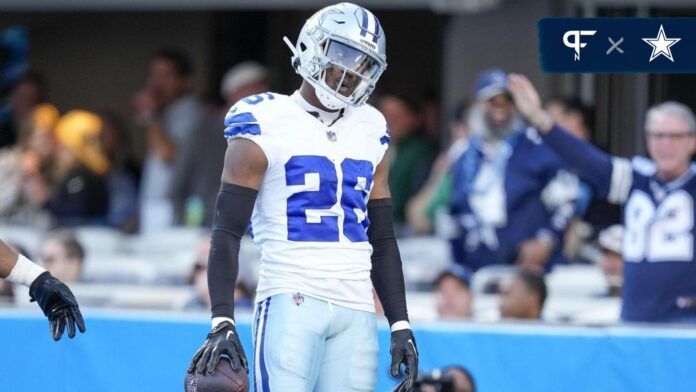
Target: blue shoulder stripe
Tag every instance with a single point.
(241, 123)
(241, 118)
(386, 139)
(252, 129)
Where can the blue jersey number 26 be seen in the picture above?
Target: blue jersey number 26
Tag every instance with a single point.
(306, 220)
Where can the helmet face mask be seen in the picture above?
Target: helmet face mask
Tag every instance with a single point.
(350, 71)
(341, 53)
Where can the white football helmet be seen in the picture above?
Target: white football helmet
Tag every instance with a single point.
(341, 52)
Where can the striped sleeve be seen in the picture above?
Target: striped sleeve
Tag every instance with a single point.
(621, 180)
(386, 138)
(243, 122)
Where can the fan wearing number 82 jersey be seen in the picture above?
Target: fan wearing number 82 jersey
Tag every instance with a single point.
(659, 282)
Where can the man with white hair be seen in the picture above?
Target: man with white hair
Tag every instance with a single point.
(197, 181)
(658, 196)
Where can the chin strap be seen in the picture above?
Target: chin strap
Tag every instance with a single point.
(328, 100)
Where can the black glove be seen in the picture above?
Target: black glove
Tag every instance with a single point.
(403, 350)
(222, 340)
(58, 304)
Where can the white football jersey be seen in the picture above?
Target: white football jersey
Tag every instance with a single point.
(309, 220)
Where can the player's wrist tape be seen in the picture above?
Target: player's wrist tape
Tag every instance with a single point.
(399, 325)
(25, 271)
(218, 320)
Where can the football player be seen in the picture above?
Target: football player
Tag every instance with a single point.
(54, 297)
(310, 171)
(658, 199)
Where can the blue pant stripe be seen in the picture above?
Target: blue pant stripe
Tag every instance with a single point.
(264, 371)
(256, 343)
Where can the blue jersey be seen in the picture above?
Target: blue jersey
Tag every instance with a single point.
(658, 246)
(506, 192)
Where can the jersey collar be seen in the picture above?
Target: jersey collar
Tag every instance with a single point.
(326, 117)
(660, 187)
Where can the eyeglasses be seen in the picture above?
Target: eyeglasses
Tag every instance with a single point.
(669, 136)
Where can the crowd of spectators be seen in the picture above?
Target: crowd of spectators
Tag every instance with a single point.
(79, 168)
(63, 170)
(486, 182)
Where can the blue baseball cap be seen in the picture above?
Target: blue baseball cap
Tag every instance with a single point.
(456, 271)
(490, 83)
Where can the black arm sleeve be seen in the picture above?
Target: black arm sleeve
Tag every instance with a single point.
(387, 276)
(233, 209)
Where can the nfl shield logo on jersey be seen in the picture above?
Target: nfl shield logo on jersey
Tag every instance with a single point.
(331, 135)
(298, 298)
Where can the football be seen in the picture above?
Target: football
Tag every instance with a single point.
(225, 379)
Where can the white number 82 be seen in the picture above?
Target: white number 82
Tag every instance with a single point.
(659, 234)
